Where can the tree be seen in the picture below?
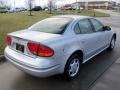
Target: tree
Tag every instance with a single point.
(30, 5)
(51, 5)
(3, 4)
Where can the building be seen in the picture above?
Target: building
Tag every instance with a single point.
(117, 7)
(96, 4)
(118, 4)
(67, 7)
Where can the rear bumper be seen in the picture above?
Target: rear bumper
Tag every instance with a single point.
(36, 69)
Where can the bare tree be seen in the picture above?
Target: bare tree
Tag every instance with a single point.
(29, 3)
(50, 5)
(78, 7)
(3, 4)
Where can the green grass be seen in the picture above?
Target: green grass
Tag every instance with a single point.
(17, 21)
(117, 11)
(86, 13)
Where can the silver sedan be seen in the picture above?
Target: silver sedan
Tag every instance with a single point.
(58, 45)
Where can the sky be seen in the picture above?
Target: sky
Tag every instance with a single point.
(21, 3)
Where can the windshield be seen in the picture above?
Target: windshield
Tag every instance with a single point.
(51, 25)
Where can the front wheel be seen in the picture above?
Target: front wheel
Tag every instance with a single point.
(72, 67)
(112, 44)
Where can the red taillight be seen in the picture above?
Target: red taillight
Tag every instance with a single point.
(40, 50)
(45, 51)
(33, 47)
(9, 40)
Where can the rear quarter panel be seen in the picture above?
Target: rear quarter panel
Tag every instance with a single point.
(64, 47)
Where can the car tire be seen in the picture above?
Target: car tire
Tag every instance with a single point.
(112, 43)
(72, 67)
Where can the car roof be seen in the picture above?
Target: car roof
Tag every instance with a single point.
(72, 16)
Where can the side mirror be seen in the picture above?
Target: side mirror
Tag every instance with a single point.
(106, 28)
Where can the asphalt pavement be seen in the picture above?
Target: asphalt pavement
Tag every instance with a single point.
(110, 80)
(13, 79)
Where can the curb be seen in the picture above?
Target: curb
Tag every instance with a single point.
(2, 58)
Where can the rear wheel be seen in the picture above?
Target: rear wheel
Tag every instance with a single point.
(72, 67)
(112, 44)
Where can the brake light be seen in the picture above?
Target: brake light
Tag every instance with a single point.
(45, 51)
(40, 50)
(33, 47)
(9, 40)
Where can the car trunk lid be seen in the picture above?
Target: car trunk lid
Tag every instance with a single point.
(20, 40)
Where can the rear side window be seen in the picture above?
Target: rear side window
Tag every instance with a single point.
(77, 29)
(85, 26)
(97, 25)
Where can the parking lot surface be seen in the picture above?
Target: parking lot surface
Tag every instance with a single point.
(13, 79)
(110, 79)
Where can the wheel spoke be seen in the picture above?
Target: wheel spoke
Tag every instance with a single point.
(74, 67)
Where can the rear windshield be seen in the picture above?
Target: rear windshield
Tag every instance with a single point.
(51, 25)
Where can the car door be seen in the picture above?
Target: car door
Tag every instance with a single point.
(103, 34)
(87, 38)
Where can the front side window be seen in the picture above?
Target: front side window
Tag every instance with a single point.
(51, 25)
(85, 26)
(97, 25)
